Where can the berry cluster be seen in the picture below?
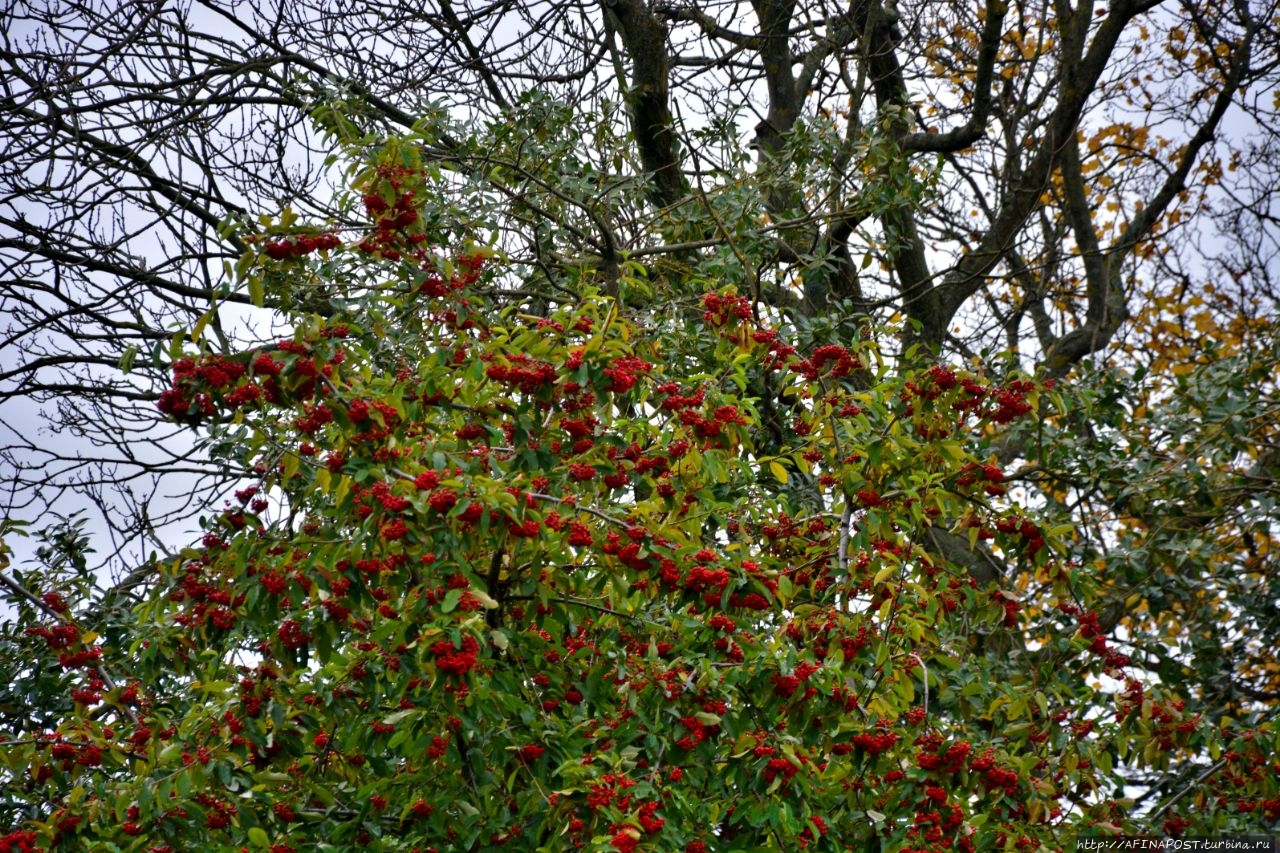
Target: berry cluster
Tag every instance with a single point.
(298, 247)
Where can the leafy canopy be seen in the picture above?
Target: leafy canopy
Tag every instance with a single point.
(539, 572)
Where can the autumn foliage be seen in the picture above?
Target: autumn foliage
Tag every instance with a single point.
(529, 575)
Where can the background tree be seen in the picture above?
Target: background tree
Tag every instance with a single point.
(1053, 141)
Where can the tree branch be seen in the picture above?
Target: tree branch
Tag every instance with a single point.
(645, 40)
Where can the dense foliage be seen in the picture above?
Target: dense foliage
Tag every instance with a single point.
(543, 575)
(626, 425)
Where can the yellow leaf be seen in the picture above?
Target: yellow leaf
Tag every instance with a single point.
(744, 744)
(257, 293)
(197, 331)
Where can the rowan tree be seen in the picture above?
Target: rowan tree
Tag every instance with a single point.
(538, 580)
(646, 425)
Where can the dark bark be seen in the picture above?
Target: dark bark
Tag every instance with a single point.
(644, 38)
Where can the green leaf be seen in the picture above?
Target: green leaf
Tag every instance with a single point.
(451, 600)
(257, 292)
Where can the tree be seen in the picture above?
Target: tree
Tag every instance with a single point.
(867, 423)
(539, 572)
